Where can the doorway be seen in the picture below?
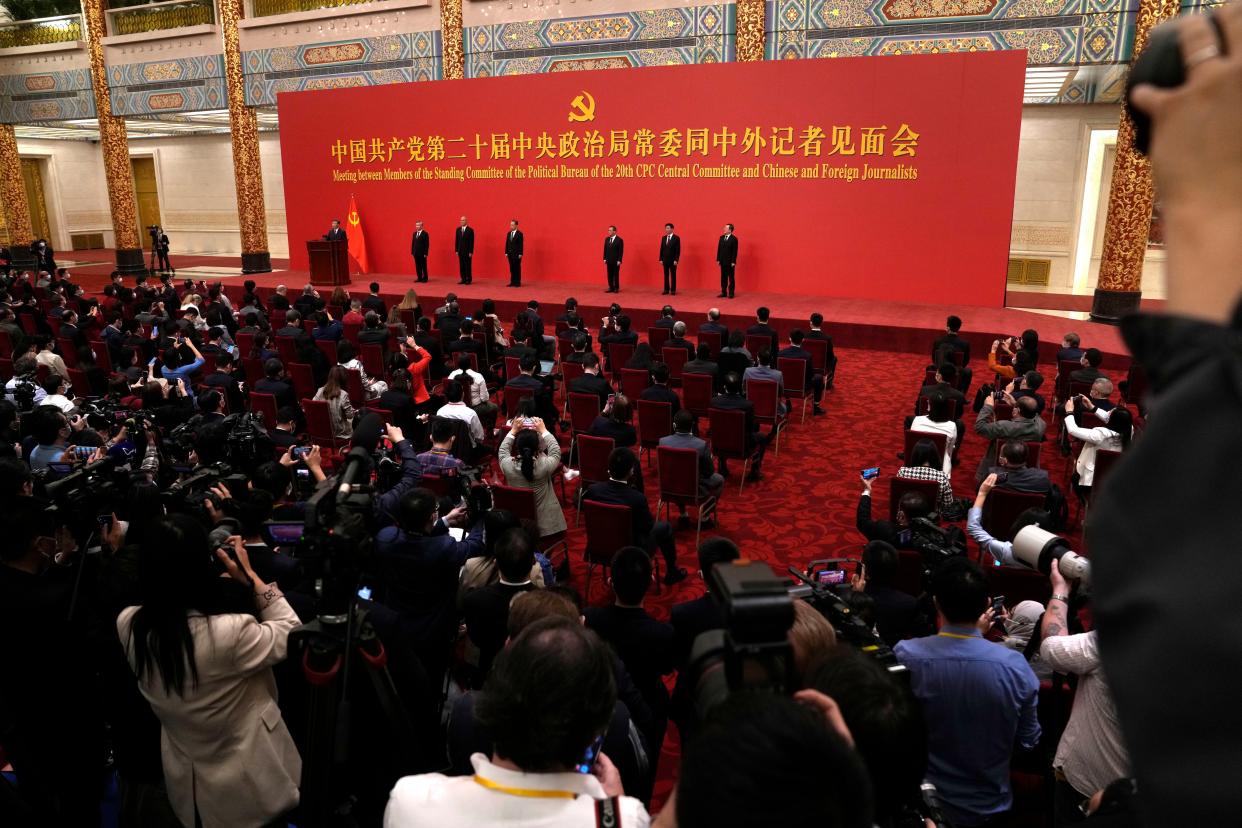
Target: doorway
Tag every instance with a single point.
(148, 197)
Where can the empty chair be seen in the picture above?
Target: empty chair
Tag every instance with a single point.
(634, 381)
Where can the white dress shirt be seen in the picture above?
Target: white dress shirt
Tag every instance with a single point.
(926, 425)
(1093, 439)
(496, 796)
(477, 385)
(463, 412)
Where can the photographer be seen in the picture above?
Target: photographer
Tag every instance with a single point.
(385, 503)
(897, 614)
(206, 670)
(23, 389)
(159, 246)
(1091, 754)
(1026, 425)
(911, 506)
(1114, 435)
(177, 364)
(1001, 551)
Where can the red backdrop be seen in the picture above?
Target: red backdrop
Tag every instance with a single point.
(935, 226)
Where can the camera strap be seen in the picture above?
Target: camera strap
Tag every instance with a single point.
(608, 812)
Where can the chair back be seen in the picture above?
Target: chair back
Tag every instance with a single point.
(929, 376)
(252, 367)
(328, 348)
(357, 394)
(593, 453)
(276, 318)
(80, 381)
(384, 414)
(583, 409)
(714, 342)
(728, 428)
(956, 356)
(679, 474)
(818, 349)
(1017, 584)
(634, 381)
(793, 370)
(1002, 509)
(408, 319)
(103, 357)
(1033, 451)
(309, 325)
(6, 344)
(513, 367)
(608, 528)
(440, 485)
(350, 331)
(656, 337)
(68, 352)
(1064, 368)
(1105, 462)
(1136, 385)
(763, 394)
(519, 501)
(319, 422)
(655, 420)
(913, 437)
(372, 356)
(675, 358)
(245, 342)
(265, 405)
(696, 393)
(758, 342)
(1003, 412)
(303, 379)
(513, 396)
(619, 353)
(898, 486)
(564, 347)
(570, 371)
(286, 348)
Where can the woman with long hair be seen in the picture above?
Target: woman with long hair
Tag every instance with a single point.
(410, 302)
(262, 347)
(203, 661)
(340, 300)
(335, 392)
(924, 464)
(529, 458)
(492, 325)
(348, 359)
(1114, 435)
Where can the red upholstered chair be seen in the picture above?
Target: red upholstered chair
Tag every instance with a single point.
(514, 396)
(521, 502)
(758, 342)
(818, 349)
(794, 373)
(303, 377)
(244, 342)
(328, 347)
(619, 353)
(384, 414)
(1003, 412)
(407, 319)
(712, 340)
(1065, 368)
(1105, 462)
(564, 347)
(655, 420)
(929, 376)
(286, 348)
(513, 367)
(940, 440)
(679, 483)
(728, 432)
(763, 393)
(68, 351)
(276, 318)
(1017, 584)
(265, 405)
(103, 357)
(583, 409)
(570, 371)
(1136, 386)
(1002, 509)
(608, 528)
(80, 382)
(351, 330)
(1033, 451)
(319, 423)
(252, 367)
(372, 356)
(438, 485)
(634, 381)
(898, 486)
(656, 337)
(357, 394)
(675, 358)
(696, 393)
(593, 455)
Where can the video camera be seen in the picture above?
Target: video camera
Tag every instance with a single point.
(78, 495)
(936, 543)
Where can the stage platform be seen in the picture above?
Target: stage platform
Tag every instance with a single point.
(853, 323)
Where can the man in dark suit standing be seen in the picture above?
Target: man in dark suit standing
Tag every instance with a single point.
(726, 257)
(337, 233)
(513, 252)
(419, 245)
(463, 246)
(614, 250)
(670, 254)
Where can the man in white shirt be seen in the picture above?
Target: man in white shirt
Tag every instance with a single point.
(545, 726)
(1091, 754)
(51, 359)
(457, 409)
(54, 388)
(476, 395)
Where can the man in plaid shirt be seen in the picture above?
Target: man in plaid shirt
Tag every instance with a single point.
(439, 461)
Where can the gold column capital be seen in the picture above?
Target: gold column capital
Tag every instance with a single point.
(247, 166)
(13, 191)
(452, 53)
(750, 30)
(112, 139)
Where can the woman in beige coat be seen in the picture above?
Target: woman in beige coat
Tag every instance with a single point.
(206, 671)
(529, 458)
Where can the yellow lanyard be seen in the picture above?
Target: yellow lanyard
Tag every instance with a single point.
(533, 793)
(955, 635)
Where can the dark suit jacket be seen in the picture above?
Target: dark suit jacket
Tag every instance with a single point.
(431, 343)
(535, 323)
(514, 244)
(306, 305)
(450, 324)
(760, 329)
(289, 330)
(373, 336)
(674, 342)
(420, 243)
(716, 327)
(664, 322)
(592, 384)
(623, 435)
(373, 302)
(614, 249)
(281, 390)
(794, 352)
(661, 393)
(619, 494)
(670, 251)
(730, 403)
(646, 647)
(874, 529)
(726, 249)
(463, 241)
(226, 384)
(1086, 375)
(401, 404)
(732, 362)
(692, 618)
(895, 613)
(942, 389)
(486, 611)
(337, 234)
(277, 301)
(1025, 479)
(953, 341)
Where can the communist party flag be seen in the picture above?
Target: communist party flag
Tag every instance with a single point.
(357, 240)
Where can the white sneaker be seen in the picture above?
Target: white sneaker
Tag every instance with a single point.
(571, 474)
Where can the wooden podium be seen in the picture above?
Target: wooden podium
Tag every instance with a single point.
(329, 262)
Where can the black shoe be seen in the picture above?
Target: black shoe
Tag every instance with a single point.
(730, 295)
(817, 411)
(665, 293)
(683, 522)
(722, 296)
(673, 292)
(462, 282)
(675, 576)
(754, 476)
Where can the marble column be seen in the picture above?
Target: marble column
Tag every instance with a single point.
(750, 29)
(452, 52)
(247, 169)
(13, 196)
(1128, 225)
(115, 147)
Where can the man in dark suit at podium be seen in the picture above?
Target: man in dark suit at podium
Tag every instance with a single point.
(463, 246)
(336, 233)
(614, 251)
(726, 257)
(419, 245)
(513, 252)
(670, 254)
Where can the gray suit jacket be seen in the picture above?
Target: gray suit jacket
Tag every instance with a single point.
(1019, 429)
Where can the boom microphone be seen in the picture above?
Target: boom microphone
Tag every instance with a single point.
(363, 442)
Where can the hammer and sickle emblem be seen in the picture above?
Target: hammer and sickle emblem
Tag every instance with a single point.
(352, 218)
(582, 109)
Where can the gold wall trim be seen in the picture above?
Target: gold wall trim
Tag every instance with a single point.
(13, 190)
(168, 15)
(247, 168)
(64, 29)
(452, 53)
(750, 28)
